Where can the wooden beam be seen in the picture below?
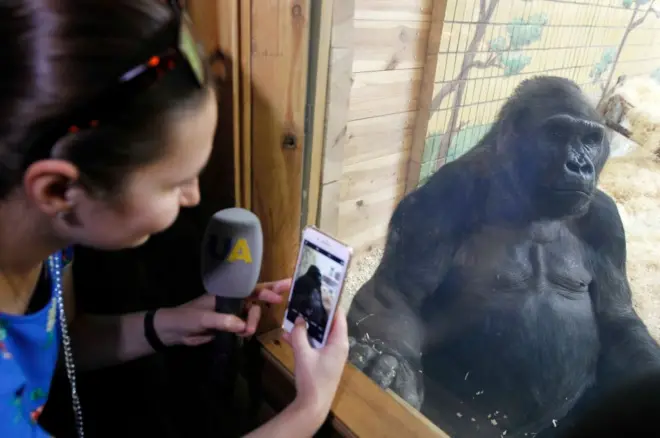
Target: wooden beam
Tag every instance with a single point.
(279, 66)
(320, 103)
(360, 408)
(243, 43)
(340, 79)
(214, 28)
(425, 95)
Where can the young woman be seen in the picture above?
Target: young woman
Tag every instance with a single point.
(106, 120)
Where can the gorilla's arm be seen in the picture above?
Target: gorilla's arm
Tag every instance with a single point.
(423, 234)
(627, 348)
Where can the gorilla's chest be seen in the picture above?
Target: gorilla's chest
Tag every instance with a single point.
(545, 258)
(514, 332)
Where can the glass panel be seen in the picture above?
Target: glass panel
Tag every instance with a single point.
(494, 287)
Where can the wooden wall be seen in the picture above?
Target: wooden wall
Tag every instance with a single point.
(378, 52)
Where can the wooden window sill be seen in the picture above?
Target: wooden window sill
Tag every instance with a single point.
(360, 408)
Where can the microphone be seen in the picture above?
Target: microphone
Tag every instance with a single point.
(232, 251)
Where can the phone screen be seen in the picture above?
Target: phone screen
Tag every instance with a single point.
(315, 288)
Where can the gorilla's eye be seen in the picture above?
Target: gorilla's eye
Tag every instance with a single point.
(593, 138)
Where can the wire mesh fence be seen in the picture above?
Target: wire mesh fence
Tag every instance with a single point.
(489, 46)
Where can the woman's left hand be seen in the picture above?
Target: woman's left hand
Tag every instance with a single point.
(195, 322)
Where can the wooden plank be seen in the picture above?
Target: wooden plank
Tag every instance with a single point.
(384, 124)
(412, 10)
(337, 113)
(371, 176)
(360, 406)
(280, 38)
(370, 209)
(329, 212)
(361, 147)
(426, 94)
(218, 25)
(339, 90)
(213, 27)
(243, 19)
(389, 45)
(320, 105)
(384, 92)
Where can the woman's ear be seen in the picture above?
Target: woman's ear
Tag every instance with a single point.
(47, 183)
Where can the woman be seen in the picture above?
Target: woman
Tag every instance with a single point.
(106, 120)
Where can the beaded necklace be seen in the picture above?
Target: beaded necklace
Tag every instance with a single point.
(55, 270)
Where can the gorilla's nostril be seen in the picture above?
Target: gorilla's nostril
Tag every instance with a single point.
(573, 166)
(578, 164)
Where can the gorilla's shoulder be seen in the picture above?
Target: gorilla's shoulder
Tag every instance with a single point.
(601, 227)
(603, 212)
(450, 197)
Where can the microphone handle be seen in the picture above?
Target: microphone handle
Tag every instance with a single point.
(223, 344)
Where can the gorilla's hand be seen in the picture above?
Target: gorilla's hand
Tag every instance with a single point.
(388, 369)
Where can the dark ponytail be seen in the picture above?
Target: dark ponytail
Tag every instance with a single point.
(55, 55)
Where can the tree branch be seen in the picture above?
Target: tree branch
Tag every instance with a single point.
(450, 87)
(482, 10)
(640, 20)
(490, 62)
(485, 15)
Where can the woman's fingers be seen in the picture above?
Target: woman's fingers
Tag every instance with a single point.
(272, 292)
(278, 286)
(197, 340)
(299, 339)
(222, 322)
(254, 314)
(338, 336)
(268, 296)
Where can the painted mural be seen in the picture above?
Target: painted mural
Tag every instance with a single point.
(489, 46)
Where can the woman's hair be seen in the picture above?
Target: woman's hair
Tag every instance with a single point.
(56, 55)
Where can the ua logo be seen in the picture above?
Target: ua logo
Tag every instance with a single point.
(240, 250)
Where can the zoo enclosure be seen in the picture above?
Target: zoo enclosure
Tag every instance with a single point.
(415, 84)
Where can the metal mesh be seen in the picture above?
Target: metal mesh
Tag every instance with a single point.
(489, 46)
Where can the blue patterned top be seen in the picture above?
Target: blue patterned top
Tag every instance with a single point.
(29, 347)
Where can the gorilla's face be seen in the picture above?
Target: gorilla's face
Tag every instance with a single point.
(571, 151)
(560, 147)
(314, 273)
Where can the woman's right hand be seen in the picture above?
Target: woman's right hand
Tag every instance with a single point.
(318, 371)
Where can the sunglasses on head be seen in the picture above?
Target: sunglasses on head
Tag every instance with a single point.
(182, 52)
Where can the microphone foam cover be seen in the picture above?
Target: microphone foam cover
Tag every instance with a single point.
(231, 253)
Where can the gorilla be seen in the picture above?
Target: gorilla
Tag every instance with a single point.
(501, 305)
(307, 298)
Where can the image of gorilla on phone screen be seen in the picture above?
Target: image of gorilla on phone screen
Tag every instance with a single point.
(314, 289)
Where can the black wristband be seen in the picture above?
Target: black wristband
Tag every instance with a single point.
(150, 331)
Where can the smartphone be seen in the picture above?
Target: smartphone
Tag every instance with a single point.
(318, 284)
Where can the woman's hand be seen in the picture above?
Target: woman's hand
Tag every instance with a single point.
(318, 371)
(195, 322)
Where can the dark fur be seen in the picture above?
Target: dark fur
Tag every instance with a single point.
(509, 295)
(307, 298)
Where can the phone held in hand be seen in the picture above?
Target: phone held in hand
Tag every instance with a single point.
(318, 284)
